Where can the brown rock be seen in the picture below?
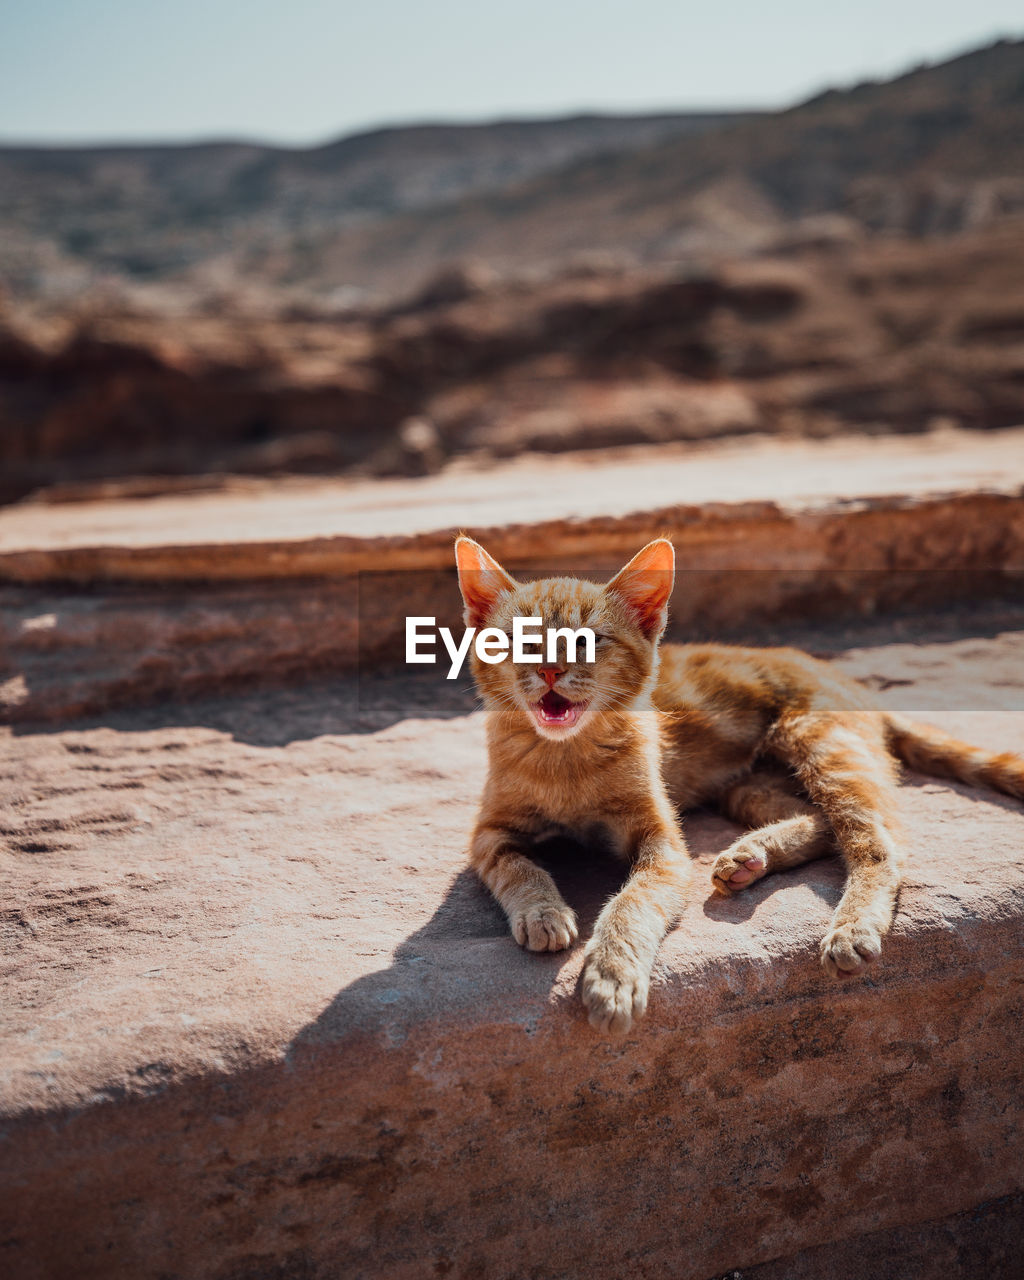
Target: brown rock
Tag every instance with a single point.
(880, 336)
(117, 399)
(454, 283)
(260, 1020)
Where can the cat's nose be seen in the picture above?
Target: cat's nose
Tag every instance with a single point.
(550, 674)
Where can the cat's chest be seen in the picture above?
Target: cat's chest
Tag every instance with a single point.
(572, 809)
(596, 789)
(589, 831)
(593, 808)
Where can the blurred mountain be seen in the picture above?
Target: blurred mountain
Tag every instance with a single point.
(153, 212)
(938, 150)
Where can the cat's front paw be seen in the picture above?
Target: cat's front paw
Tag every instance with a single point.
(614, 990)
(545, 927)
(849, 948)
(739, 866)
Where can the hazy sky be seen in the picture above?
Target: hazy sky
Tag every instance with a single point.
(306, 70)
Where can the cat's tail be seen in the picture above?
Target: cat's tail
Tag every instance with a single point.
(929, 750)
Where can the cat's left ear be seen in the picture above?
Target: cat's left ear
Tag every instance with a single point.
(645, 585)
(481, 580)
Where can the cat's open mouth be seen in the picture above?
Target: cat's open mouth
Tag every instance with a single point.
(555, 712)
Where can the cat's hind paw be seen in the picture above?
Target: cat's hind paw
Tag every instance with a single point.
(545, 928)
(848, 949)
(739, 866)
(614, 993)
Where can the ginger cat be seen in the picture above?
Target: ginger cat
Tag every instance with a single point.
(612, 751)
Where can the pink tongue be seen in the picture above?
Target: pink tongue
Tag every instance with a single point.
(553, 704)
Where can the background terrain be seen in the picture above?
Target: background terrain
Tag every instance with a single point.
(261, 1019)
(395, 299)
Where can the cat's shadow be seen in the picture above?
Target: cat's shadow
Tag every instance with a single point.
(825, 878)
(451, 964)
(451, 961)
(586, 877)
(708, 834)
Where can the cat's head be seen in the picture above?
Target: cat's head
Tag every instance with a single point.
(627, 615)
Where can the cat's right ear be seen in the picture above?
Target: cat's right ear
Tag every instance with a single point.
(481, 580)
(645, 585)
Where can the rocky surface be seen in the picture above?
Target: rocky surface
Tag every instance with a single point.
(984, 1240)
(260, 1021)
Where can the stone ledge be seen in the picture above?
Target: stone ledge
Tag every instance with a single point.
(260, 1022)
(584, 507)
(124, 603)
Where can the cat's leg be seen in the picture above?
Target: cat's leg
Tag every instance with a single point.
(845, 768)
(786, 831)
(537, 914)
(620, 954)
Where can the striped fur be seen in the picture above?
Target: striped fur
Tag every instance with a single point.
(929, 750)
(781, 742)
